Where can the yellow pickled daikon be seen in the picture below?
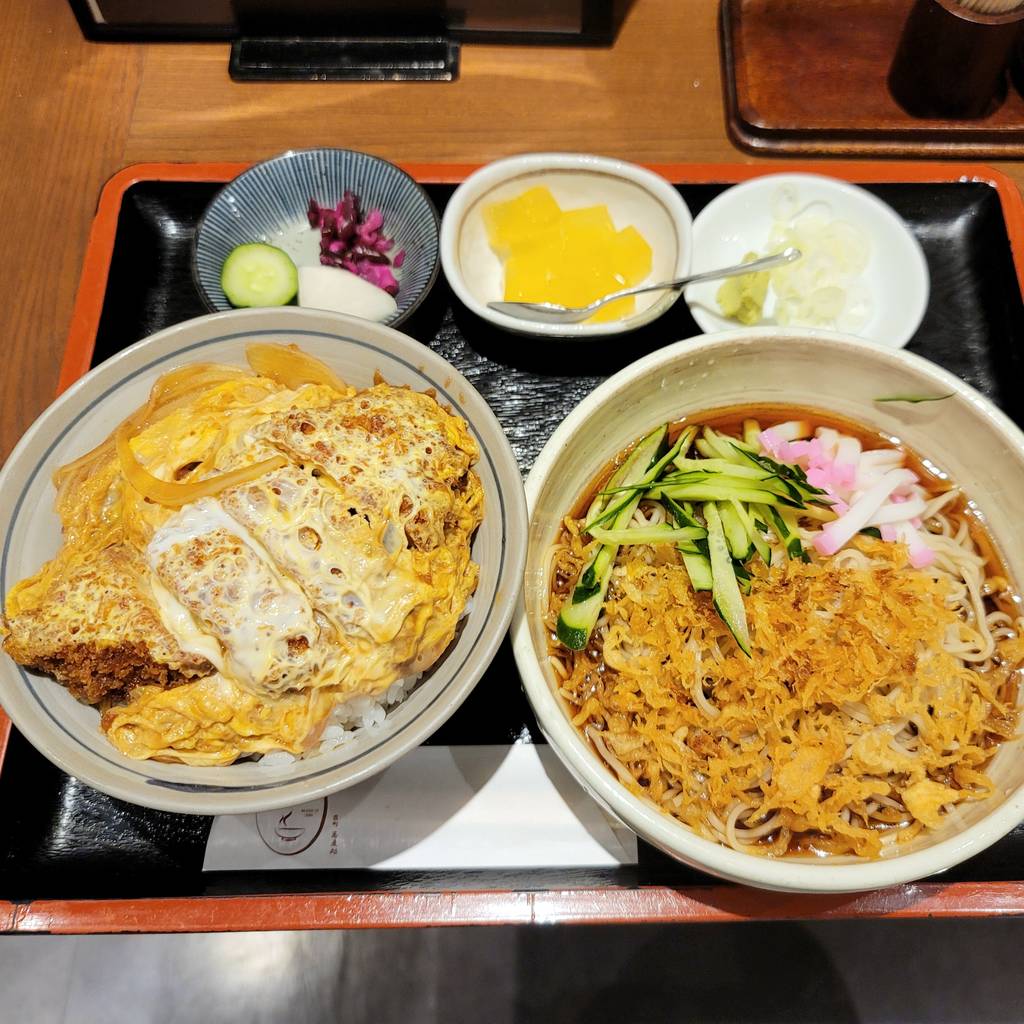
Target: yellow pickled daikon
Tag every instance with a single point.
(571, 257)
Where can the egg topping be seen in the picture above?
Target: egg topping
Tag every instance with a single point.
(212, 621)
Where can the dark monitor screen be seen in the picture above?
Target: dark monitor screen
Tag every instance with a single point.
(565, 21)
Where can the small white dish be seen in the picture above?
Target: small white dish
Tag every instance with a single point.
(740, 220)
(632, 194)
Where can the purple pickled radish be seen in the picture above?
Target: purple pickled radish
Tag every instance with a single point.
(362, 252)
(379, 275)
(369, 229)
(355, 244)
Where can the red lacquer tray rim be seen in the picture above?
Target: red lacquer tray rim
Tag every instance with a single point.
(645, 905)
(648, 904)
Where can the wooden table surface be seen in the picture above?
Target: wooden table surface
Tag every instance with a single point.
(74, 112)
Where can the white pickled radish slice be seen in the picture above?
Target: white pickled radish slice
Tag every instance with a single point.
(882, 457)
(848, 451)
(921, 554)
(792, 430)
(829, 439)
(869, 489)
(340, 291)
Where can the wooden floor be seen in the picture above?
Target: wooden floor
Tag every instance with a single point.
(900, 972)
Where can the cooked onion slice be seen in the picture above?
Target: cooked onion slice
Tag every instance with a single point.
(171, 391)
(174, 495)
(290, 366)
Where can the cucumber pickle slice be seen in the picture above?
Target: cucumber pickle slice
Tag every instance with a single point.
(258, 274)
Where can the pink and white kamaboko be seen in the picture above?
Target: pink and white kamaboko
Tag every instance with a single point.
(866, 488)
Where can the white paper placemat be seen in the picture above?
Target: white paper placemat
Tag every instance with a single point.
(437, 808)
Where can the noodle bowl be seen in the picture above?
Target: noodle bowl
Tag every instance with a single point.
(647, 740)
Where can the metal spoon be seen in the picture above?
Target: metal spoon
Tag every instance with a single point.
(552, 313)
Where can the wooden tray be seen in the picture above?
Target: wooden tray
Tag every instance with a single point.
(809, 76)
(73, 860)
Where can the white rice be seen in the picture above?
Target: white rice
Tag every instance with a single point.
(356, 716)
(347, 721)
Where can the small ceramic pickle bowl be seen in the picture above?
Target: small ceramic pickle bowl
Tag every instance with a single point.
(269, 202)
(634, 197)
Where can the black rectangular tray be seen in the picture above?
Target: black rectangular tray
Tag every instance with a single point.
(60, 840)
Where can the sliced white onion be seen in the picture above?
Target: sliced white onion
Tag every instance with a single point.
(848, 245)
(823, 289)
(785, 203)
(825, 304)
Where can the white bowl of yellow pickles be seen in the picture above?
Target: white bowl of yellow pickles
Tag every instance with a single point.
(566, 228)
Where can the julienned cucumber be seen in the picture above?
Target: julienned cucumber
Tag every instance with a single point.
(785, 529)
(259, 275)
(633, 473)
(725, 590)
(735, 529)
(698, 568)
(577, 618)
(743, 497)
(660, 534)
(695, 552)
(581, 611)
(754, 532)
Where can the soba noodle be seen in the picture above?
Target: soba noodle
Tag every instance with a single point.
(866, 716)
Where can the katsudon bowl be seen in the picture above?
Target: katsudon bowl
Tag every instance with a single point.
(963, 434)
(68, 732)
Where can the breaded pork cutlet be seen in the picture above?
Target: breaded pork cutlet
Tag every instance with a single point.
(94, 626)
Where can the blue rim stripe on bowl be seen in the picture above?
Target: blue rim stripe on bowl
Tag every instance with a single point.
(273, 196)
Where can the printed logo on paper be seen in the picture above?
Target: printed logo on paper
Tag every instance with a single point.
(293, 830)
